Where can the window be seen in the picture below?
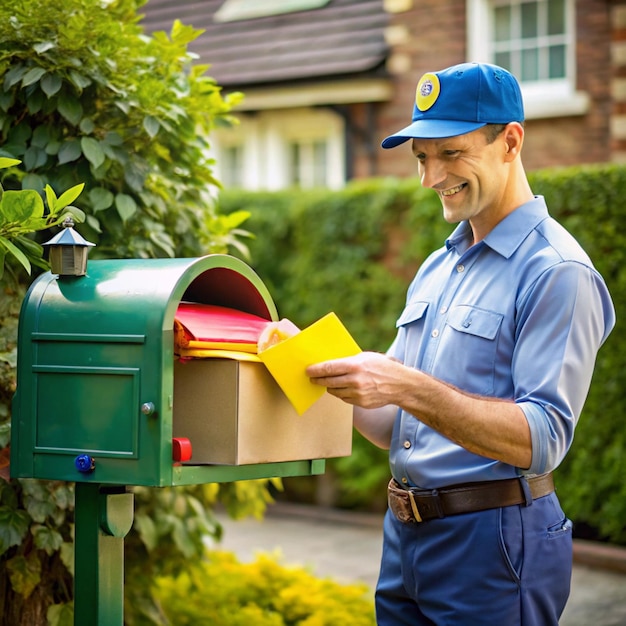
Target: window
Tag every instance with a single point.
(308, 164)
(231, 166)
(276, 149)
(536, 41)
(530, 39)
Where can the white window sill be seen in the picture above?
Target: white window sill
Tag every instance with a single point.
(539, 104)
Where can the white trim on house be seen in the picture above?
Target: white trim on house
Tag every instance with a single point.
(340, 92)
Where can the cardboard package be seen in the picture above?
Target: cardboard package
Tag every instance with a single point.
(234, 413)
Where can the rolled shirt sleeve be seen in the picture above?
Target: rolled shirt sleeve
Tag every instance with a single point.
(563, 321)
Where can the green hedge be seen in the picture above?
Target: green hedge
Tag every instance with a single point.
(354, 251)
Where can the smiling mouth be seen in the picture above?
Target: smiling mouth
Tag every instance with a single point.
(454, 190)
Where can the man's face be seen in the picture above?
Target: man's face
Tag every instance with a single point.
(468, 173)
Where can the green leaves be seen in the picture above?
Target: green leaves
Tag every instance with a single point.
(14, 524)
(16, 252)
(7, 162)
(43, 46)
(69, 151)
(61, 615)
(22, 212)
(151, 125)
(92, 150)
(32, 76)
(100, 199)
(126, 206)
(70, 107)
(47, 539)
(20, 206)
(57, 204)
(24, 573)
(51, 84)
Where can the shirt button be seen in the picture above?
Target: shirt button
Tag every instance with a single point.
(407, 444)
(435, 333)
(405, 480)
(443, 310)
(460, 268)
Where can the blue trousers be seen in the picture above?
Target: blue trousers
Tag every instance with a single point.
(503, 567)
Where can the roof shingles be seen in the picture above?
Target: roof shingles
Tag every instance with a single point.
(346, 37)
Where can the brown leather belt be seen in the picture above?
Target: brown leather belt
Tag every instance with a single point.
(421, 505)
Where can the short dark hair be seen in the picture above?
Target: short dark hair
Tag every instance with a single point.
(493, 130)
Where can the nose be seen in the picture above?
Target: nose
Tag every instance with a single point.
(432, 173)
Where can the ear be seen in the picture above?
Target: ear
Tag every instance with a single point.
(513, 137)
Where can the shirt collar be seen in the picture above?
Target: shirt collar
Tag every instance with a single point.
(508, 235)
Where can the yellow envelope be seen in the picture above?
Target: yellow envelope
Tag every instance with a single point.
(287, 361)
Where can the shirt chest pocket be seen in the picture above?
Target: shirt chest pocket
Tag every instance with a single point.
(469, 348)
(413, 312)
(410, 327)
(476, 322)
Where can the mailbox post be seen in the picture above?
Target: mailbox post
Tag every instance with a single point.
(103, 517)
(96, 402)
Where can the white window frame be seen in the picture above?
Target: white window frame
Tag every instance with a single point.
(266, 138)
(543, 98)
(234, 10)
(237, 178)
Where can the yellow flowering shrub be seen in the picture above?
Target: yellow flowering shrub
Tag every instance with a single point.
(221, 591)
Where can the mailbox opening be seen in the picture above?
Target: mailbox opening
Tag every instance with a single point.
(226, 287)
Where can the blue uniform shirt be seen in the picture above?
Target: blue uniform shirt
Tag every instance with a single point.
(518, 316)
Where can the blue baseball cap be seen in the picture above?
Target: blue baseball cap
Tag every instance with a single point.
(459, 100)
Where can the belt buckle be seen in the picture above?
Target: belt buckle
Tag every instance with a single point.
(416, 513)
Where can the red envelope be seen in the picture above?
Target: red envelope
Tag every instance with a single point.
(211, 327)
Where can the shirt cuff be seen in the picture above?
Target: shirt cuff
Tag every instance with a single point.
(542, 439)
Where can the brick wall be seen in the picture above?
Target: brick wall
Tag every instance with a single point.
(428, 36)
(431, 34)
(618, 56)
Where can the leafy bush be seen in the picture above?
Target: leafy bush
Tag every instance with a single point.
(86, 97)
(355, 251)
(221, 591)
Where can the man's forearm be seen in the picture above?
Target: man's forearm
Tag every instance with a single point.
(376, 425)
(493, 428)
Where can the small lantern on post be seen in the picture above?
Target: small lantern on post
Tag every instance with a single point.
(68, 251)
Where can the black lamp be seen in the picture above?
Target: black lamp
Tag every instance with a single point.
(68, 251)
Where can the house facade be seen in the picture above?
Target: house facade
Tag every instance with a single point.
(326, 80)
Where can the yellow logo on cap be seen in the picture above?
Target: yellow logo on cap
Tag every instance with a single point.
(427, 91)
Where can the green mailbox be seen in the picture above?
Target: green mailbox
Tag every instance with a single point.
(102, 401)
(95, 400)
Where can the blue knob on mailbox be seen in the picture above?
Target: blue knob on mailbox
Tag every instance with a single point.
(85, 463)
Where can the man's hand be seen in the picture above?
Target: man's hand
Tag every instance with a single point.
(368, 380)
(275, 332)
